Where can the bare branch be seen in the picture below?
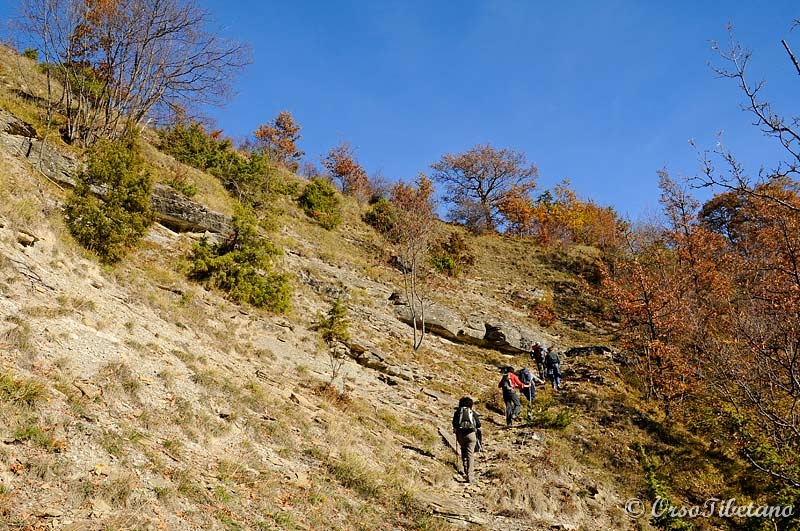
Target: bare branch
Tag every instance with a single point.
(127, 61)
(791, 55)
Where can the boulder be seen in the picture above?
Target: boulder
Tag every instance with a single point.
(181, 214)
(599, 350)
(478, 329)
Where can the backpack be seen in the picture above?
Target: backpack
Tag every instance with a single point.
(505, 383)
(536, 353)
(466, 419)
(525, 376)
(553, 364)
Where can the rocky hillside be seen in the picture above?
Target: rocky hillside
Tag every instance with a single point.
(131, 398)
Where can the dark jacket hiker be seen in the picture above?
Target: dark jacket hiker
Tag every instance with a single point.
(553, 366)
(537, 355)
(467, 427)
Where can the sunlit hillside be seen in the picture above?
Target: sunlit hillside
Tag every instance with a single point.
(135, 396)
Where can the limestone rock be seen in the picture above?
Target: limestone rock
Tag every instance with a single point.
(369, 356)
(180, 213)
(172, 209)
(478, 329)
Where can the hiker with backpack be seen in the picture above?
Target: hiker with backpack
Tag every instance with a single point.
(529, 381)
(509, 383)
(537, 355)
(553, 366)
(467, 427)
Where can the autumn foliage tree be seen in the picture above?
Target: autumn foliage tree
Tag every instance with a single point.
(478, 181)
(279, 138)
(709, 303)
(559, 217)
(412, 233)
(347, 172)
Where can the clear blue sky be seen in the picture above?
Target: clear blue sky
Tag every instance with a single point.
(601, 93)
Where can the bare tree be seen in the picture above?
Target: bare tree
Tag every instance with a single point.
(733, 176)
(124, 61)
(479, 180)
(413, 232)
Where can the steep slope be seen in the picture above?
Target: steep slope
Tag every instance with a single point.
(165, 406)
(133, 399)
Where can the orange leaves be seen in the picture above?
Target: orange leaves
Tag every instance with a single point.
(93, 33)
(412, 232)
(279, 137)
(519, 212)
(708, 304)
(560, 217)
(344, 168)
(415, 212)
(102, 12)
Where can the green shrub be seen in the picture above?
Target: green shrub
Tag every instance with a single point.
(381, 216)
(109, 210)
(194, 146)
(241, 265)
(31, 53)
(541, 414)
(549, 420)
(452, 255)
(333, 326)
(659, 489)
(249, 176)
(320, 201)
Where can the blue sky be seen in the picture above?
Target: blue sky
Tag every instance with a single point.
(601, 93)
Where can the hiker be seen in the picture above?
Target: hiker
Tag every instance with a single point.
(467, 427)
(537, 355)
(553, 366)
(509, 383)
(529, 381)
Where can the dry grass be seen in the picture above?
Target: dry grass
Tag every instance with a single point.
(20, 391)
(21, 200)
(118, 376)
(210, 191)
(23, 88)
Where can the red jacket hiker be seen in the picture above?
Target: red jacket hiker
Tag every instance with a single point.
(509, 383)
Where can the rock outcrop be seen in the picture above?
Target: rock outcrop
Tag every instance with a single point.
(368, 355)
(478, 329)
(172, 210)
(181, 214)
